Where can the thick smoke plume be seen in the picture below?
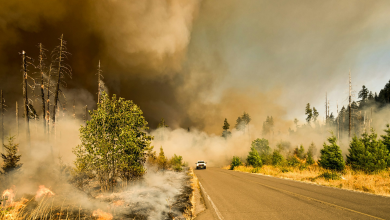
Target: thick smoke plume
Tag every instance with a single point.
(186, 61)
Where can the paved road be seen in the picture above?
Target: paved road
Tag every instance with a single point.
(235, 195)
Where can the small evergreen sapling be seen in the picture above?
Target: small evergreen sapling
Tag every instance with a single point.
(11, 158)
(331, 156)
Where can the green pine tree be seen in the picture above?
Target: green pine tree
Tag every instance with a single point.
(386, 137)
(368, 153)
(162, 160)
(331, 156)
(310, 159)
(226, 133)
(11, 158)
(308, 113)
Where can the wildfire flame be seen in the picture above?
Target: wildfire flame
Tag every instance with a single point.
(119, 203)
(43, 191)
(102, 215)
(9, 195)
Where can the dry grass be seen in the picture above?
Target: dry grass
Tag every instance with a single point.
(378, 183)
(43, 209)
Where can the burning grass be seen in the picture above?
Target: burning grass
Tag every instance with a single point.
(378, 183)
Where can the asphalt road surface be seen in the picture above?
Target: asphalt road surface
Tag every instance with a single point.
(235, 195)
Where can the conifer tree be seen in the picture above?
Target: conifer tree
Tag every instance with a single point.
(226, 133)
(368, 153)
(309, 113)
(162, 124)
(315, 114)
(11, 158)
(386, 137)
(162, 160)
(331, 156)
(312, 150)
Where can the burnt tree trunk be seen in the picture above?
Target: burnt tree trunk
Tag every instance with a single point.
(86, 115)
(99, 85)
(2, 120)
(58, 80)
(350, 99)
(25, 97)
(48, 102)
(17, 120)
(74, 109)
(42, 86)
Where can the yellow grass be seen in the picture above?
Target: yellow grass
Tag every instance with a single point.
(353, 180)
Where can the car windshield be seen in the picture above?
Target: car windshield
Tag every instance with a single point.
(200, 161)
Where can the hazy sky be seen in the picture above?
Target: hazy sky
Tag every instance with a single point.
(197, 62)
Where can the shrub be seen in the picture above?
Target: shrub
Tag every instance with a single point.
(300, 152)
(176, 163)
(331, 156)
(386, 138)
(277, 158)
(283, 146)
(235, 162)
(265, 152)
(162, 160)
(254, 158)
(368, 154)
(293, 161)
(312, 149)
(310, 160)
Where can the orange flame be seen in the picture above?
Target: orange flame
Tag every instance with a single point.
(19, 205)
(43, 191)
(102, 215)
(9, 195)
(119, 203)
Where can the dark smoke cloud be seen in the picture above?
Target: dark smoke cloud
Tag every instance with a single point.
(195, 63)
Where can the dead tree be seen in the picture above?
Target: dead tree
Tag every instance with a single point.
(17, 120)
(41, 66)
(100, 78)
(48, 100)
(25, 97)
(74, 109)
(86, 115)
(60, 54)
(2, 119)
(326, 108)
(350, 99)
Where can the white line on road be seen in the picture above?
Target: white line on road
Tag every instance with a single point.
(212, 203)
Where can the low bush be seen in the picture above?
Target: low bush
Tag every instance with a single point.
(330, 176)
(235, 162)
(293, 161)
(277, 158)
(254, 159)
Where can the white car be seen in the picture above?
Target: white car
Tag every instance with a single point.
(201, 164)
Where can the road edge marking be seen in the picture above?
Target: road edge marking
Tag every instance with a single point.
(316, 200)
(212, 203)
